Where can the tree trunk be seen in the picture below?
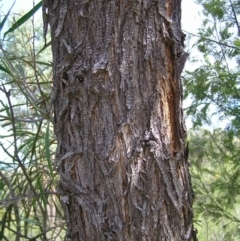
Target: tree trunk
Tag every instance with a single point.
(118, 119)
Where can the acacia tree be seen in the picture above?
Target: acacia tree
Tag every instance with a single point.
(117, 99)
(214, 85)
(214, 89)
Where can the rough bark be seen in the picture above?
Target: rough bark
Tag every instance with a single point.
(118, 119)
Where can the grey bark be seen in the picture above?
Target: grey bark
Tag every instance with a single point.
(117, 98)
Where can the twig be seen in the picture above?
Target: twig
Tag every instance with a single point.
(16, 210)
(7, 93)
(211, 40)
(235, 17)
(16, 199)
(26, 120)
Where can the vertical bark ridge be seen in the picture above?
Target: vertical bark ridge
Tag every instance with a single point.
(118, 119)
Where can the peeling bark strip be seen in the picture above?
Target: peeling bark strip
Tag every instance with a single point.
(117, 99)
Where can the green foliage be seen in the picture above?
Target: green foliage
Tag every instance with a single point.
(215, 84)
(29, 205)
(215, 7)
(215, 174)
(23, 19)
(214, 89)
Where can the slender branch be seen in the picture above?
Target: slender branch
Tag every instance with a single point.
(235, 17)
(6, 150)
(35, 139)
(26, 120)
(7, 93)
(222, 50)
(16, 199)
(214, 41)
(34, 62)
(21, 83)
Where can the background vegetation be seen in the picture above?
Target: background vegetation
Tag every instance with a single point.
(30, 208)
(213, 88)
(29, 203)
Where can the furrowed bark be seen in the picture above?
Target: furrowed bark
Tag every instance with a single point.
(117, 98)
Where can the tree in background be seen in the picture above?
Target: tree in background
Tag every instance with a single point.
(214, 158)
(215, 84)
(118, 119)
(214, 89)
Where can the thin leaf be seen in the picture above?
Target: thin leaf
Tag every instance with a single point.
(5, 18)
(47, 145)
(33, 149)
(31, 221)
(24, 18)
(5, 70)
(5, 220)
(40, 188)
(44, 47)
